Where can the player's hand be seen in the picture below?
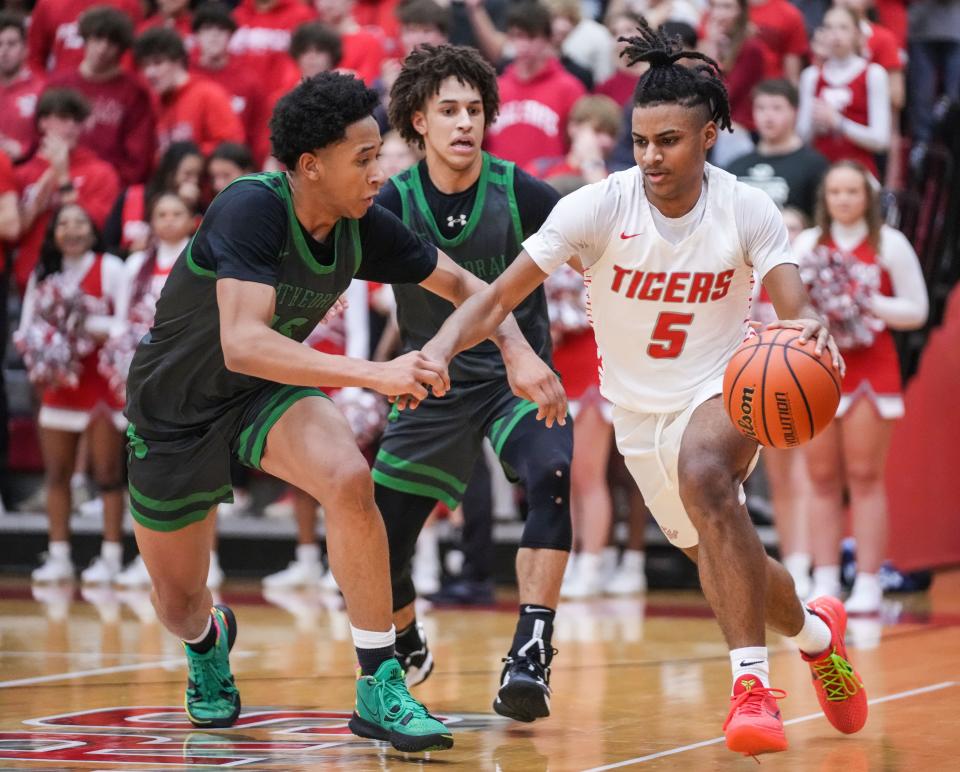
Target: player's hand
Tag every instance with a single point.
(530, 378)
(410, 376)
(338, 307)
(814, 329)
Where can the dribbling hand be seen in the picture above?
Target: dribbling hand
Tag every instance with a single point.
(814, 329)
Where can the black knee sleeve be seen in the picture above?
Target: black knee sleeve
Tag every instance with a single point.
(403, 516)
(541, 458)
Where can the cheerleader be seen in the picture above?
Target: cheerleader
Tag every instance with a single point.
(90, 406)
(850, 454)
(844, 108)
(172, 223)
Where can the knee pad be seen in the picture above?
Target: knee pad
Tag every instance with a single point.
(403, 517)
(547, 481)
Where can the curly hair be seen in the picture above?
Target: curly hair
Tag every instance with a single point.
(316, 114)
(668, 82)
(425, 69)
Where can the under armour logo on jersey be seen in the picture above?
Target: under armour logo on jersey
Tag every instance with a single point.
(460, 219)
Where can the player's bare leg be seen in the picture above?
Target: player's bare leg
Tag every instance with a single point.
(313, 448)
(539, 575)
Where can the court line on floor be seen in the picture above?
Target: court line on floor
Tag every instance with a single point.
(74, 674)
(798, 720)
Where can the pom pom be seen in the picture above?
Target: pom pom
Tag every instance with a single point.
(841, 288)
(365, 411)
(566, 302)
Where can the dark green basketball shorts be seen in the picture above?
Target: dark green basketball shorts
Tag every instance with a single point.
(176, 478)
(431, 451)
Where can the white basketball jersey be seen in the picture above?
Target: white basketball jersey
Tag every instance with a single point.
(667, 317)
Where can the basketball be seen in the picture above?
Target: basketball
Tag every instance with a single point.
(779, 392)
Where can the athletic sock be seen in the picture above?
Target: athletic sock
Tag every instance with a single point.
(533, 633)
(408, 639)
(749, 663)
(373, 647)
(112, 553)
(205, 641)
(814, 637)
(59, 550)
(308, 553)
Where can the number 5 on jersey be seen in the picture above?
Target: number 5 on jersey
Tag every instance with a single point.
(668, 339)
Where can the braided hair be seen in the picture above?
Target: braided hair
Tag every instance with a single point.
(668, 82)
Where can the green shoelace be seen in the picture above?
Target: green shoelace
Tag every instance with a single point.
(837, 676)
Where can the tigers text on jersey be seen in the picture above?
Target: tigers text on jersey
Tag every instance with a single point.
(667, 316)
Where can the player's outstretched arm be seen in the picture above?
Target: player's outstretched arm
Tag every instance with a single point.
(530, 377)
(251, 347)
(795, 311)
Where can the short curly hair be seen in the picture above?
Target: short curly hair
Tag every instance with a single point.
(317, 113)
(425, 69)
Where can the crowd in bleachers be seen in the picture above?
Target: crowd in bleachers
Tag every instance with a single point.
(121, 119)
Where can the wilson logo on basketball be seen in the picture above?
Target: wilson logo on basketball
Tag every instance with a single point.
(746, 412)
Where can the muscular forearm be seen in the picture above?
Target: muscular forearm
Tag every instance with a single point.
(265, 353)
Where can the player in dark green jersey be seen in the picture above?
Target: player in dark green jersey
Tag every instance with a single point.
(223, 373)
(478, 209)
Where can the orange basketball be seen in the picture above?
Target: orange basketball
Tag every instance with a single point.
(778, 392)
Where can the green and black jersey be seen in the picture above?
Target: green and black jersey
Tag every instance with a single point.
(178, 380)
(482, 229)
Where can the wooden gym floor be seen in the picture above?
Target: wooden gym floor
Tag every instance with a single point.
(94, 683)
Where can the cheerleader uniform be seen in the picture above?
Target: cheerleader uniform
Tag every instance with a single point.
(71, 408)
(860, 92)
(166, 257)
(900, 303)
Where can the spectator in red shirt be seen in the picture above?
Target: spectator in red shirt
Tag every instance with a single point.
(20, 87)
(213, 25)
(421, 22)
(263, 34)
(55, 42)
(728, 40)
(620, 86)
(314, 48)
(190, 108)
(60, 173)
(879, 45)
(780, 27)
(172, 14)
(536, 93)
(121, 128)
(9, 232)
(364, 49)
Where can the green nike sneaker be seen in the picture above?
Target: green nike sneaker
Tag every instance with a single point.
(386, 711)
(212, 698)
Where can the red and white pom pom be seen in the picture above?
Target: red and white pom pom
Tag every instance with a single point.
(365, 411)
(841, 289)
(566, 302)
(57, 341)
(117, 352)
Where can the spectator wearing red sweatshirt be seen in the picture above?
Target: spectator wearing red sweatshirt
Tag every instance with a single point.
(55, 42)
(60, 173)
(171, 14)
(780, 27)
(263, 34)
(536, 92)
(20, 87)
(121, 128)
(364, 48)
(190, 108)
(213, 25)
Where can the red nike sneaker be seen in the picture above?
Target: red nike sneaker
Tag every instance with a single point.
(754, 724)
(839, 688)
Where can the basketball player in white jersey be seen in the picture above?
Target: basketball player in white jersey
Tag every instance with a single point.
(668, 250)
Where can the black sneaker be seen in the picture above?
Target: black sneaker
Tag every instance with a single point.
(524, 690)
(416, 664)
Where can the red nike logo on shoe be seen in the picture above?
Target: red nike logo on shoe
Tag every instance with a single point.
(624, 235)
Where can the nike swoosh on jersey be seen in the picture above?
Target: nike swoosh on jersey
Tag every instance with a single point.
(624, 235)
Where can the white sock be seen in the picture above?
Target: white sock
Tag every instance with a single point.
(214, 559)
(797, 563)
(308, 553)
(59, 550)
(634, 561)
(372, 639)
(112, 553)
(202, 635)
(869, 582)
(814, 637)
(826, 576)
(750, 661)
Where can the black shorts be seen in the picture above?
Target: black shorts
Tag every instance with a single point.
(176, 478)
(431, 451)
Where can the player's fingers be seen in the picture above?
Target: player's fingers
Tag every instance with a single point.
(418, 391)
(440, 370)
(822, 337)
(430, 378)
(808, 329)
(785, 324)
